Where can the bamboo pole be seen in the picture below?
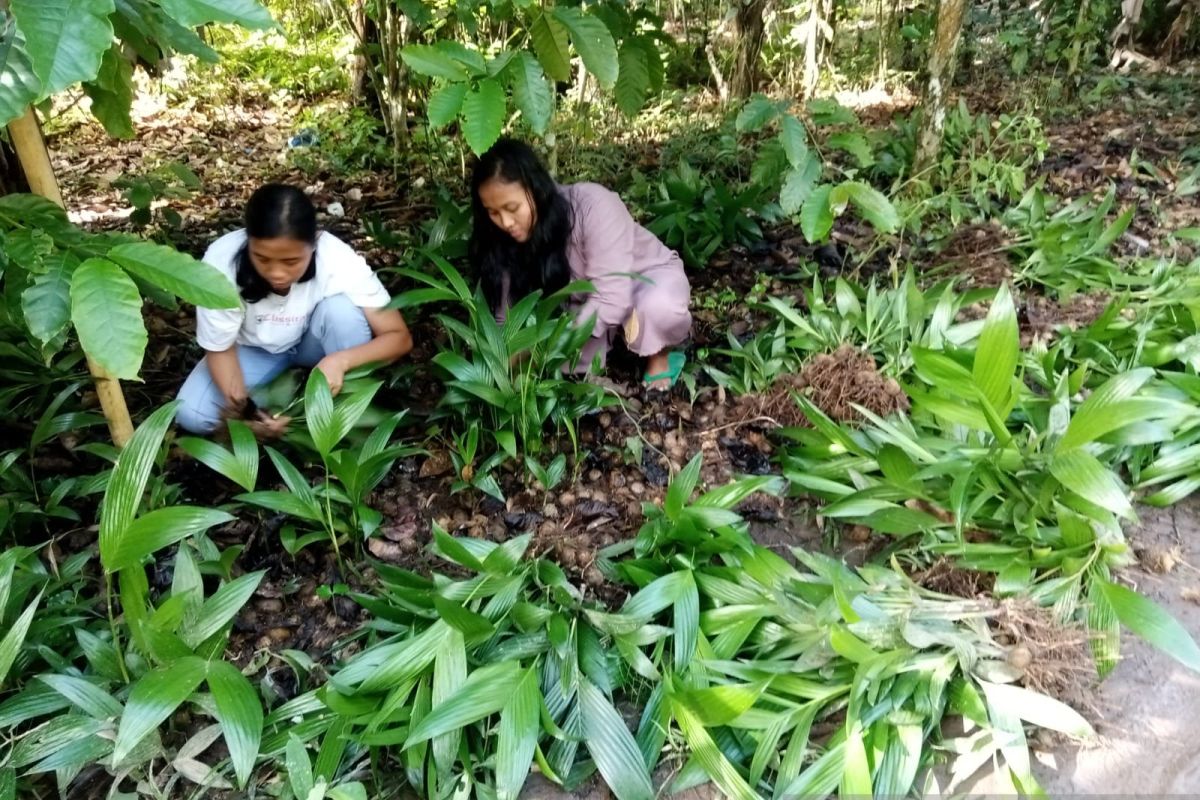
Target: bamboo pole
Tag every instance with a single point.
(27, 140)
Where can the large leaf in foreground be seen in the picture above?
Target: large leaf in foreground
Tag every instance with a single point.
(10, 645)
(194, 281)
(485, 692)
(1082, 473)
(240, 714)
(128, 482)
(612, 746)
(153, 698)
(996, 356)
(66, 39)
(107, 311)
(193, 13)
(517, 740)
(1149, 621)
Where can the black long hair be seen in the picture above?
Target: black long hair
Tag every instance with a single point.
(541, 261)
(275, 211)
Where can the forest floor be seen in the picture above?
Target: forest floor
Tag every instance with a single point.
(1144, 712)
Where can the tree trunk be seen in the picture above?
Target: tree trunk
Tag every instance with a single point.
(941, 75)
(30, 147)
(365, 32)
(812, 46)
(750, 28)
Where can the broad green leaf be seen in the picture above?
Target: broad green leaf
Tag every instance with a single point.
(107, 312)
(239, 466)
(128, 481)
(240, 714)
(856, 772)
(550, 43)
(1082, 473)
(154, 697)
(433, 61)
(190, 280)
(816, 218)
(794, 139)
(798, 184)
(1148, 620)
(389, 665)
(1104, 629)
(532, 93)
(471, 58)
(445, 103)
(66, 741)
(682, 487)
(318, 413)
(822, 776)
(194, 13)
(612, 746)
(1101, 412)
(874, 207)
(221, 608)
(283, 502)
(658, 594)
(475, 627)
(347, 791)
(449, 674)
(592, 41)
(721, 704)
(633, 78)
(1111, 233)
(485, 692)
(111, 93)
(687, 623)
(35, 700)
(517, 739)
(705, 750)
(46, 304)
(996, 356)
(8, 780)
(65, 39)
(299, 767)
(855, 144)
(483, 115)
(157, 529)
(758, 111)
(19, 86)
(1038, 709)
(14, 637)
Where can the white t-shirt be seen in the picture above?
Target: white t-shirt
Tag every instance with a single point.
(277, 322)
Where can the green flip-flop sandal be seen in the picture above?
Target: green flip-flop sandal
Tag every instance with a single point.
(675, 361)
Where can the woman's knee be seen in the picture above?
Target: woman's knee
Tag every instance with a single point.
(199, 408)
(666, 312)
(338, 318)
(195, 414)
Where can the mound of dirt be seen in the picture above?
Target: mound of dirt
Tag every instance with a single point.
(1040, 316)
(837, 381)
(1053, 657)
(977, 252)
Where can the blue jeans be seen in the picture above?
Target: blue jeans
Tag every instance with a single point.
(335, 324)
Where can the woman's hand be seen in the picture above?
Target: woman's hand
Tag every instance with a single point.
(334, 367)
(270, 426)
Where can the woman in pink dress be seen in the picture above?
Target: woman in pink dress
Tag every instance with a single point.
(532, 233)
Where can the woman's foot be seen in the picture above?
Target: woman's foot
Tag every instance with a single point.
(658, 364)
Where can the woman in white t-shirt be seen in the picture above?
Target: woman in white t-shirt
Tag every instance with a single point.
(307, 299)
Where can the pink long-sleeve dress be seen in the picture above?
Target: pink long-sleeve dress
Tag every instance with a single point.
(630, 269)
